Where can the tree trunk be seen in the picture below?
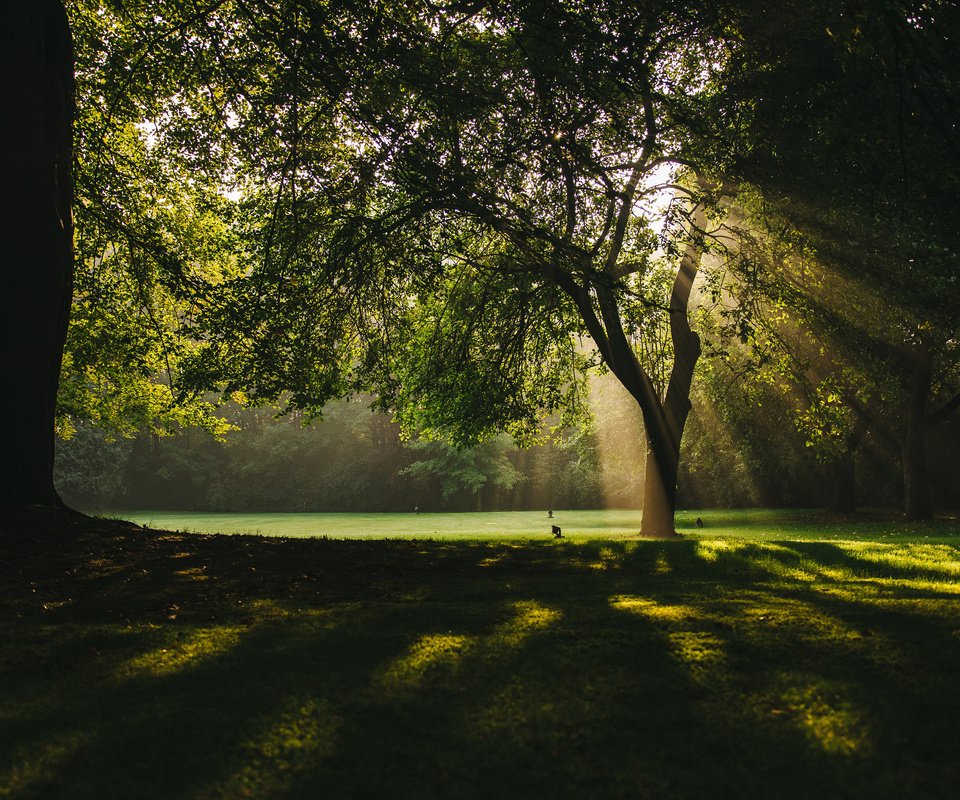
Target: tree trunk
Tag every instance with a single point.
(664, 418)
(916, 479)
(665, 422)
(844, 500)
(36, 241)
(659, 491)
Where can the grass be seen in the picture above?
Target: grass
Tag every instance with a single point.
(748, 660)
(757, 523)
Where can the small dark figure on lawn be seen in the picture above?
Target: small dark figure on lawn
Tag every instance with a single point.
(699, 522)
(416, 509)
(550, 514)
(555, 529)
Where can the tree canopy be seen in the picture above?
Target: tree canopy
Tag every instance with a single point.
(465, 207)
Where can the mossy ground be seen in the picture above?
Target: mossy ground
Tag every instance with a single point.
(145, 664)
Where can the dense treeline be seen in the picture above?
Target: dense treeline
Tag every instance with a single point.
(352, 460)
(737, 454)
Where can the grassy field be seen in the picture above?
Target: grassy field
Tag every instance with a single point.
(619, 523)
(773, 654)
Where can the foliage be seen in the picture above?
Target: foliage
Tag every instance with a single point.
(153, 236)
(467, 207)
(850, 141)
(351, 460)
(464, 468)
(448, 157)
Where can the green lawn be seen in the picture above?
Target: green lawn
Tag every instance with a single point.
(793, 657)
(757, 523)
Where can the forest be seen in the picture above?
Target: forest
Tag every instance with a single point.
(457, 215)
(465, 225)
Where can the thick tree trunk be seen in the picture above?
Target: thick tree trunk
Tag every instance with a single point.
(665, 422)
(916, 480)
(844, 475)
(659, 492)
(36, 241)
(844, 471)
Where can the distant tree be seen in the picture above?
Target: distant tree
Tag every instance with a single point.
(458, 469)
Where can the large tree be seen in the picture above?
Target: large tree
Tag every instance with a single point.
(510, 159)
(36, 241)
(497, 157)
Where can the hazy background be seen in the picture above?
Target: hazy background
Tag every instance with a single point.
(739, 451)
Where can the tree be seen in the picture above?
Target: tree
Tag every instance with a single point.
(506, 154)
(457, 469)
(36, 240)
(467, 155)
(497, 163)
(846, 123)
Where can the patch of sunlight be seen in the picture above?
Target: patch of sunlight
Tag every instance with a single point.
(933, 558)
(773, 547)
(837, 574)
(194, 648)
(265, 608)
(290, 744)
(887, 588)
(799, 568)
(428, 653)
(698, 651)
(531, 617)
(777, 559)
(38, 763)
(662, 564)
(836, 727)
(791, 565)
(193, 572)
(434, 652)
(795, 572)
(711, 549)
(652, 610)
(810, 623)
(608, 557)
(490, 561)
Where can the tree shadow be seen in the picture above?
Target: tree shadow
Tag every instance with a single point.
(242, 667)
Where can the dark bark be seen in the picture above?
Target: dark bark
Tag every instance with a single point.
(36, 241)
(844, 500)
(844, 478)
(916, 482)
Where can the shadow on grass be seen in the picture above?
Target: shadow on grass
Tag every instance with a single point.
(150, 665)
